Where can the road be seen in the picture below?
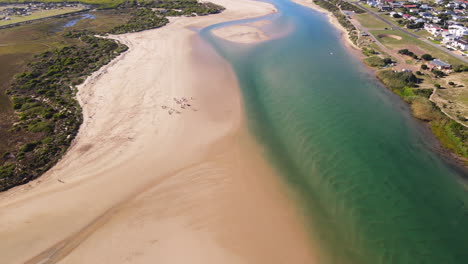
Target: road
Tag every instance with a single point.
(396, 27)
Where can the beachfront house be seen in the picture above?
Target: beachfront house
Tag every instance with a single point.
(435, 20)
(458, 30)
(385, 8)
(406, 16)
(419, 20)
(425, 15)
(372, 3)
(397, 4)
(425, 7)
(461, 44)
(440, 65)
(433, 29)
(448, 38)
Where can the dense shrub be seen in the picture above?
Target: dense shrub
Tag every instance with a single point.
(44, 98)
(142, 19)
(397, 80)
(427, 57)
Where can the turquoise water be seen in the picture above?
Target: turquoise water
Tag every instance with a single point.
(368, 178)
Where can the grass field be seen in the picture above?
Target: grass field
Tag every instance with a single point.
(409, 40)
(100, 3)
(19, 44)
(369, 21)
(38, 14)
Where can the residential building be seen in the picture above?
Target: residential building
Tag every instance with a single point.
(440, 65)
(433, 29)
(458, 30)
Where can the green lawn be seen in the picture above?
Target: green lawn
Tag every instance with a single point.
(422, 33)
(369, 21)
(38, 14)
(409, 40)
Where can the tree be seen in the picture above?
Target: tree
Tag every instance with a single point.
(387, 61)
(451, 83)
(427, 57)
(438, 73)
(424, 67)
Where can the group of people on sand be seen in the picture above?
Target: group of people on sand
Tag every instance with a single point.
(182, 102)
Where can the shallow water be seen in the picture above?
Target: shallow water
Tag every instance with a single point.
(366, 173)
(72, 22)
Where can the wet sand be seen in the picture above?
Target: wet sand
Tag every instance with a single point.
(163, 169)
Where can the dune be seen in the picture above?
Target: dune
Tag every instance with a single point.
(163, 169)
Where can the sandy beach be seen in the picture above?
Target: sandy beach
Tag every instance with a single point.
(333, 20)
(163, 169)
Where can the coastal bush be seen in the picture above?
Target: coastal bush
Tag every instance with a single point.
(438, 73)
(427, 57)
(426, 93)
(460, 68)
(43, 96)
(452, 135)
(332, 6)
(368, 51)
(424, 109)
(408, 53)
(142, 19)
(397, 80)
(376, 61)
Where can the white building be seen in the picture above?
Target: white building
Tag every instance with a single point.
(460, 44)
(458, 30)
(433, 29)
(448, 38)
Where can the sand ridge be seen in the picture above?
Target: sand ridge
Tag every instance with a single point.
(141, 184)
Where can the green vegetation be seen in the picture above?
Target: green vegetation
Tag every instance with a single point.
(99, 3)
(408, 53)
(407, 40)
(38, 15)
(142, 19)
(451, 134)
(179, 7)
(369, 21)
(44, 99)
(332, 6)
(40, 116)
(376, 61)
(427, 57)
(396, 81)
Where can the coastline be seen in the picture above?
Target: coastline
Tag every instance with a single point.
(146, 179)
(334, 21)
(448, 155)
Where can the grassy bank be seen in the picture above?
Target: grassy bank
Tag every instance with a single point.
(451, 134)
(333, 7)
(408, 86)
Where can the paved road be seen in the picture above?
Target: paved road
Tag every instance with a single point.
(395, 27)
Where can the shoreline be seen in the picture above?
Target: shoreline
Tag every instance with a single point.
(446, 154)
(149, 180)
(334, 21)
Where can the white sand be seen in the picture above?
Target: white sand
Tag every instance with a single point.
(241, 34)
(141, 185)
